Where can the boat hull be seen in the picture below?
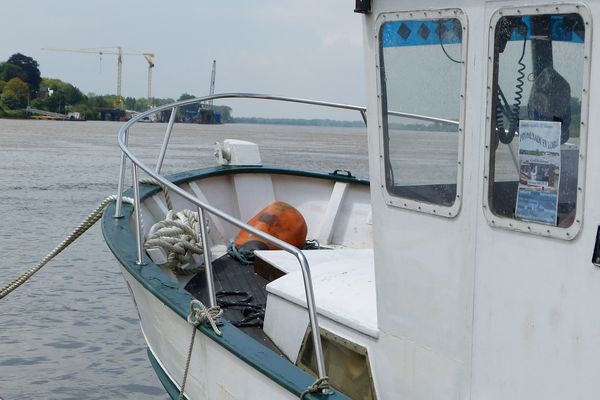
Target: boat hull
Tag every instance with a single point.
(215, 373)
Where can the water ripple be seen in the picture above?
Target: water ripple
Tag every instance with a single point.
(23, 361)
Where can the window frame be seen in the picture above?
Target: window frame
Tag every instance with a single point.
(393, 199)
(514, 224)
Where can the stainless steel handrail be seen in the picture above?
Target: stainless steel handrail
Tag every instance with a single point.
(202, 206)
(254, 96)
(423, 117)
(308, 288)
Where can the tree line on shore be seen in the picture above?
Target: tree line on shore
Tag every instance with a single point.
(21, 85)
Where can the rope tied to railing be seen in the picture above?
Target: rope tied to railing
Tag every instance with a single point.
(199, 314)
(86, 224)
(165, 190)
(321, 385)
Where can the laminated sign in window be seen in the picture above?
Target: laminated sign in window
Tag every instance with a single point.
(539, 171)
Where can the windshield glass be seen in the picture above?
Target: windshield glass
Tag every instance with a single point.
(421, 73)
(536, 117)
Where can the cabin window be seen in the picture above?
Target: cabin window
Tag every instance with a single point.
(422, 72)
(537, 97)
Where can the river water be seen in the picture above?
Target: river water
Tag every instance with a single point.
(71, 332)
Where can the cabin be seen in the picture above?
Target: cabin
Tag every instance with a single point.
(485, 279)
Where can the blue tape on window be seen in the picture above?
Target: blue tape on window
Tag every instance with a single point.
(563, 28)
(421, 32)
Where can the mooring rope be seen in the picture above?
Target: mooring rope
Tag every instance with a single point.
(87, 223)
(198, 314)
(179, 238)
(178, 235)
(165, 190)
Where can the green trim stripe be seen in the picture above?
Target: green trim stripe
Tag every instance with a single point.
(167, 383)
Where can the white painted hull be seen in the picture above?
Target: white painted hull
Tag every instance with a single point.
(215, 373)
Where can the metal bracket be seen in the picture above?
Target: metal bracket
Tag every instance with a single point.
(342, 172)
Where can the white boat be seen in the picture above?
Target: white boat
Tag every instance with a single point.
(450, 275)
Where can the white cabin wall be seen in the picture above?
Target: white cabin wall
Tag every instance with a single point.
(536, 327)
(424, 264)
(525, 303)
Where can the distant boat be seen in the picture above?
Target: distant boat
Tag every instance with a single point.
(34, 113)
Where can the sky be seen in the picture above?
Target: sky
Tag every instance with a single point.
(309, 48)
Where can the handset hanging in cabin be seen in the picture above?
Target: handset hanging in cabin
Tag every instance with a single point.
(507, 28)
(550, 94)
(550, 100)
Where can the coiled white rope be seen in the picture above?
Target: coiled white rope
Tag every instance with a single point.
(178, 235)
(87, 223)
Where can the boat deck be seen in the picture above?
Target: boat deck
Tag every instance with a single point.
(241, 292)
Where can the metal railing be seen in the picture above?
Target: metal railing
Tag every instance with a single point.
(205, 207)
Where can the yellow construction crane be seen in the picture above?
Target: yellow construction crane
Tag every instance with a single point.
(118, 51)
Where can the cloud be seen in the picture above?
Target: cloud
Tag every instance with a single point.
(332, 39)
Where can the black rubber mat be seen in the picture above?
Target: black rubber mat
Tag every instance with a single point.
(231, 277)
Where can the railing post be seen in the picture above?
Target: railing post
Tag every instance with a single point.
(210, 283)
(363, 114)
(312, 314)
(138, 216)
(163, 149)
(119, 205)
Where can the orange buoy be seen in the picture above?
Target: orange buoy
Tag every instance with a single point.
(278, 219)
